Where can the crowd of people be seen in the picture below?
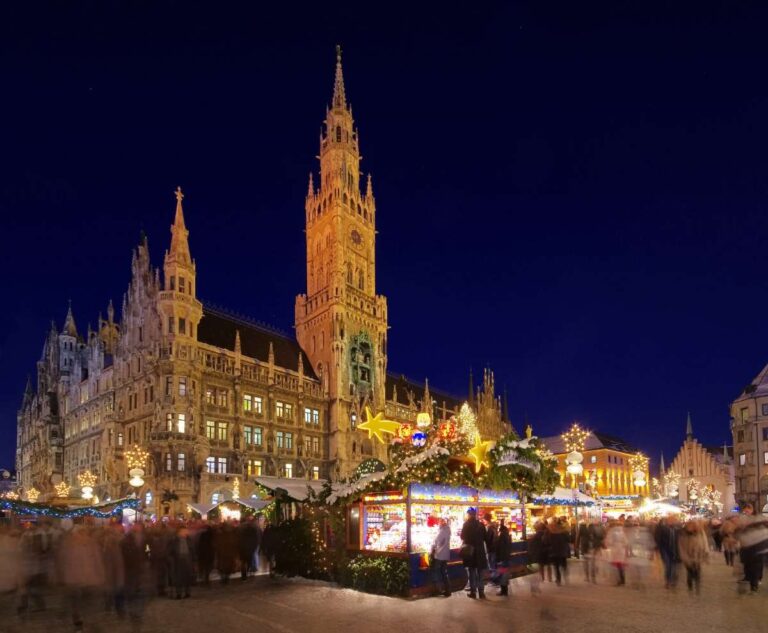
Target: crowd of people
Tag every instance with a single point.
(620, 551)
(116, 568)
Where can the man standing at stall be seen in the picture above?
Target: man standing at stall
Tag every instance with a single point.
(473, 553)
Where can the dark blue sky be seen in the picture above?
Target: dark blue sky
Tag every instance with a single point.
(572, 193)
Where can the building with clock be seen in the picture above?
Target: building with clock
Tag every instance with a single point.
(216, 397)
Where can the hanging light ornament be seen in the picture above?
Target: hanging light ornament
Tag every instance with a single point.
(638, 463)
(574, 440)
(136, 458)
(32, 495)
(87, 481)
(423, 421)
(62, 489)
(236, 489)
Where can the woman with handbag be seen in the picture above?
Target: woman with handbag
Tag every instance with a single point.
(473, 553)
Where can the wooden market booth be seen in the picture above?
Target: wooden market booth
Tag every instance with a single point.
(404, 523)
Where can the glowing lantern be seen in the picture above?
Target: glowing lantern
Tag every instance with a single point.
(423, 420)
(405, 431)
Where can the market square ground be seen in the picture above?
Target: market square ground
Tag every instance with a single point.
(299, 606)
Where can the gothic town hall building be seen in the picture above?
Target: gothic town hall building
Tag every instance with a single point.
(215, 397)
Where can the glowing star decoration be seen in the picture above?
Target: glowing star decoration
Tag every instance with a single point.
(32, 495)
(87, 481)
(419, 439)
(62, 489)
(377, 425)
(479, 453)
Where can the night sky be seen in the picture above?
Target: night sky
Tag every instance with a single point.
(573, 194)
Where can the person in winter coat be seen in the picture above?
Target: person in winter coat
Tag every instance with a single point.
(730, 543)
(473, 553)
(559, 540)
(225, 543)
(503, 554)
(693, 548)
(247, 542)
(114, 569)
(537, 554)
(753, 539)
(181, 555)
(490, 541)
(82, 569)
(666, 542)
(441, 554)
(269, 546)
(616, 544)
(137, 572)
(205, 552)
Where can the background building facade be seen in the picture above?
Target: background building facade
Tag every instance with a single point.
(607, 466)
(709, 467)
(749, 426)
(215, 397)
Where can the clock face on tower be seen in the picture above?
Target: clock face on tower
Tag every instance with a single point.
(357, 239)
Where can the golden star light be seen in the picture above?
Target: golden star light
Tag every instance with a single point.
(32, 495)
(575, 438)
(136, 457)
(62, 489)
(377, 425)
(479, 453)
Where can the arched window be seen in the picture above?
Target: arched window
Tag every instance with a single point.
(345, 199)
(360, 280)
(349, 273)
(338, 134)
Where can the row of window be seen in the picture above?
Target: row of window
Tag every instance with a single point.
(740, 434)
(743, 458)
(181, 325)
(182, 285)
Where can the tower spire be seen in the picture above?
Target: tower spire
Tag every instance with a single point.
(689, 428)
(661, 464)
(179, 232)
(471, 391)
(426, 403)
(339, 97)
(69, 323)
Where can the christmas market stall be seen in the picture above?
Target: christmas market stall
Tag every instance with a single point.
(404, 524)
(390, 514)
(568, 502)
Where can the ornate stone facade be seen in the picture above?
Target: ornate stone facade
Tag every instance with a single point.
(710, 467)
(213, 396)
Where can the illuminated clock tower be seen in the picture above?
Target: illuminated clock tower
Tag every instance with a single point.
(341, 322)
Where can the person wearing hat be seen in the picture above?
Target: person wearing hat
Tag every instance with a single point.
(473, 553)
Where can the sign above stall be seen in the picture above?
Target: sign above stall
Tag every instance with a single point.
(494, 497)
(511, 457)
(434, 492)
(383, 496)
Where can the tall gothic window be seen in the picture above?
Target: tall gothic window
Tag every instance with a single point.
(360, 280)
(338, 134)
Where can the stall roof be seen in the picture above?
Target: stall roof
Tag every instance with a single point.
(254, 504)
(569, 496)
(297, 489)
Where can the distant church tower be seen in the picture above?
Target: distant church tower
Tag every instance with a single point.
(341, 322)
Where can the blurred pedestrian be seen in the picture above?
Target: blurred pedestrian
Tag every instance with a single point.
(693, 547)
(247, 542)
(473, 554)
(181, 555)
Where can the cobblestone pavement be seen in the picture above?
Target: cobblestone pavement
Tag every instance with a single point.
(299, 606)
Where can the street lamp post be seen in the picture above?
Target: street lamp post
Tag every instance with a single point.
(136, 458)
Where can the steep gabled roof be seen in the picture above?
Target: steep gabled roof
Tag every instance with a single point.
(594, 441)
(219, 328)
(758, 387)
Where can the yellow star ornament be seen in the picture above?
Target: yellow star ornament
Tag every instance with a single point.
(479, 453)
(377, 425)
